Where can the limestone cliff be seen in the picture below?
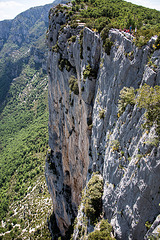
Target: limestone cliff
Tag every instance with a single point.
(86, 135)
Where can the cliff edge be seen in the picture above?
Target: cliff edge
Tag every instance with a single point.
(87, 134)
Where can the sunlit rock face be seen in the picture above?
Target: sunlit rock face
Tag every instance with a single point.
(84, 127)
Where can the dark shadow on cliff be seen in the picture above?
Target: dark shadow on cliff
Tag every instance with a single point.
(55, 232)
(8, 71)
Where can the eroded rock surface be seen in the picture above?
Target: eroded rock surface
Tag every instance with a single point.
(82, 140)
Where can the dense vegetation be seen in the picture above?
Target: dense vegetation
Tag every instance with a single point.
(24, 144)
(104, 233)
(25, 202)
(91, 206)
(120, 14)
(101, 15)
(92, 198)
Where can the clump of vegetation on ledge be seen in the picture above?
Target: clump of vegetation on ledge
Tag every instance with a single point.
(127, 96)
(93, 198)
(62, 62)
(103, 233)
(91, 204)
(73, 85)
(89, 72)
(148, 98)
(101, 113)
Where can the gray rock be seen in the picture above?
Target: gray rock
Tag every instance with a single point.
(131, 170)
(154, 231)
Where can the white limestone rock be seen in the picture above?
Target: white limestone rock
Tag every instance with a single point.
(117, 147)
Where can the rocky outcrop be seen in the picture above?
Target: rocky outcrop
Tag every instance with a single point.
(4, 31)
(154, 230)
(86, 135)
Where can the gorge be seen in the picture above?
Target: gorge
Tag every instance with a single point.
(83, 122)
(86, 133)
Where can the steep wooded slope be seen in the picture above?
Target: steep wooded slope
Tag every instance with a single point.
(25, 201)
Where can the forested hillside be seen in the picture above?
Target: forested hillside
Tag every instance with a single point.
(25, 203)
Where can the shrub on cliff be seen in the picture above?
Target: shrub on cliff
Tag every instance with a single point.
(73, 85)
(148, 98)
(64, 63)
(101, 113)
(89, 72)
(107, 45)
(93, 198)
(104, 32)
(127, 96)
(104, 233)
(157, 43)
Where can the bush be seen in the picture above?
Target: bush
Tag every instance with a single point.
(14, 221)
(64, 63)
(104, 233)
(55, 48)
(102, 23)
(102, 113)
(104, 33)
(157, 43)
(107, 45)
(141, 41)
(61, 64)
(127, 96)
(89, 72)
(115, 145)
(73, 85)
(93, 198)
(148, 225)
(149, 98)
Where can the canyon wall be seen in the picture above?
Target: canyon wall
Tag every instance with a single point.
(87, 135)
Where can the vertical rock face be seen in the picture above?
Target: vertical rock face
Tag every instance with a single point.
(84, 87)
(131, 174)
(4, 31)
(70, 115)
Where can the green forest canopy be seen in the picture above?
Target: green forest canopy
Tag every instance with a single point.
(105, 14)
